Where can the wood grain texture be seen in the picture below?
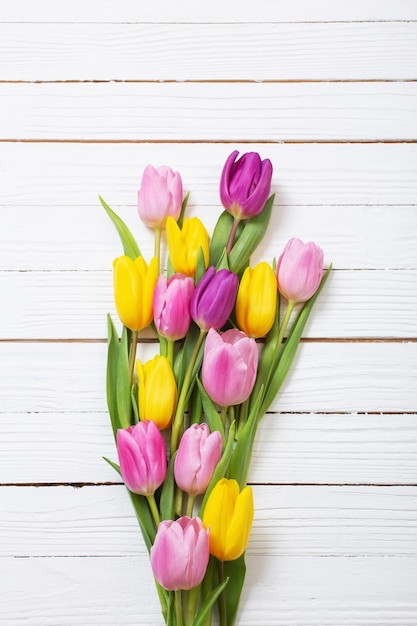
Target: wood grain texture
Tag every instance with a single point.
(307, 448)
(74, 305)
(197, 112)
(293, 51)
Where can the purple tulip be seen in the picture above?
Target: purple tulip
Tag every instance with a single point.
(299, 270)
(229, 366)
(180, 553)
(159, 196)
(171, 306)
(142, 457)
(245, 184)
(198, 454)
(213, 298)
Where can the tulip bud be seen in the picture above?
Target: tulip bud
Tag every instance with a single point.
(229, 366)
(228, 515)
(213, 298)
(134, 284)
(256, 302)
(171, 306)
(245, 184)
(299, 270)
(180, 553)
(160, 195)
(142, 457)
(198, 454)
(184, 244)
(157, 391)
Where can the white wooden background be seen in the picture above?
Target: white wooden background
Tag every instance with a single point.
(91, 91)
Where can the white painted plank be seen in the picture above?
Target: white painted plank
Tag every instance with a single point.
(83, 238)
(330, 377)
(296, 521)
(293, 51)
(216, 11)
(74, 305)
(289, 591)
(230, 111)
(71, 174)
(289, 448)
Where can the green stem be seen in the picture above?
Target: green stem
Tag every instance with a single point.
(192, 596)
(190, 505)
(222, 598)
(132, 355)
(157, 246)
(170, 352)
(182, 400)
(284, 324)
(223, 415)
(178, 608)
(232, 235)
(154, 509)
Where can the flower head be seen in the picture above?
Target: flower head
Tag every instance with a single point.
(213, 299)
(256, 301)
(157, 391)
(184, 244)
(134, 284)
(229, 366)
(198, 454)
(171, 306)
(180, 553)
(245, 184)
(142, 457)
(159, 196)
(228, 516)
(299, 270)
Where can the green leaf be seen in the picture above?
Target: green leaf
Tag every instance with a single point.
(113, 465)
(221, 467)
(134, 401)
(287, 354)
(252, 234)
(130, 246)
(212, 417)
(143, 514)
(220, 237)
(124, 405)
(166, 503)
(111, 374)
(208, 604)
(235, 571)
(183, 207)
(201, 266)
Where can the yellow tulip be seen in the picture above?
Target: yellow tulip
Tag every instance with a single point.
(157, 393)
(256, 302)
(184, 245)
(228, 514)
(134, 284)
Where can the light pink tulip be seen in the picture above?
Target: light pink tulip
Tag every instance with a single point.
(171, 306)
(197, 457)
(229, 366)
(180, 553)
(299, 270)
(159, 196)
(142, 457)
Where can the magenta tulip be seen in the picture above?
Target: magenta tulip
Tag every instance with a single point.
(299, 270)
(229, 366)
(142, 457)
(198, 454)
(213, 298)
(159, 196)
(171, 306)
(245, 184)
(180, 553)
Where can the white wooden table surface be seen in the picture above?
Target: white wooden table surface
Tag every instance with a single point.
(92, 91)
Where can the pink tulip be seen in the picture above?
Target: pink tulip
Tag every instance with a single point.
(159, 196)
(171, 306)
(299, 270)
(229, 366)
(142, 457)
(180, 553)
(197, 457)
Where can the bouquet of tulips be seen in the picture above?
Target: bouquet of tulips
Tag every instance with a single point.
(185, 421)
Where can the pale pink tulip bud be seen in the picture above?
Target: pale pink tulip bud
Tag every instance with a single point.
(159, 196)
(299, 270)
(180, 553)
(229, 366)
(171, 306)
(142, 457)
(197, 457)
